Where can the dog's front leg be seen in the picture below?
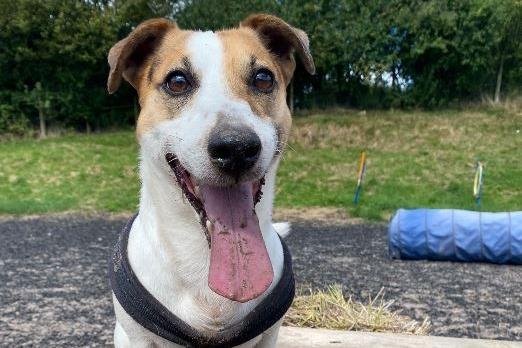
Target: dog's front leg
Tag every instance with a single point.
(269, 337)
(129, 334)
(123, 340)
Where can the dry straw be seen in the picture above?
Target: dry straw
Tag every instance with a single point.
(330, 309)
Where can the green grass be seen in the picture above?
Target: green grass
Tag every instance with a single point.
(415, 159)
(75, 172)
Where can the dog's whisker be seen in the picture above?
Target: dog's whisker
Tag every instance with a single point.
(282, 156)
(291, 148)
(283, 144)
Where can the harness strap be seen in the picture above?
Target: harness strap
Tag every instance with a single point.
(154, 316)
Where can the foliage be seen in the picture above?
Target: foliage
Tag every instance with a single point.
(450, 49)
(388, 53)
(12, 122)
(57, 49)
(369, 54)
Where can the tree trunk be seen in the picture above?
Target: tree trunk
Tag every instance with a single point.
(43, 130)
(499, 79)
(394, 78)
(88, 127)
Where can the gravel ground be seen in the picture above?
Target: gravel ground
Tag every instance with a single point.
(54, 291)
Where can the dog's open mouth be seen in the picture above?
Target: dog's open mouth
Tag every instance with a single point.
(240, 268)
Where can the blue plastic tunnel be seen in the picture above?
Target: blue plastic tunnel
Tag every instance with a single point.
(456, 235)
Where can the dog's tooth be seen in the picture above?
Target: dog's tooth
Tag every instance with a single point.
(196, 190)
(210, 225)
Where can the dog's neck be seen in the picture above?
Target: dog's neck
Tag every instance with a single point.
(169, 252)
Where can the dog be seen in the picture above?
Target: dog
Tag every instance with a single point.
(212, 126)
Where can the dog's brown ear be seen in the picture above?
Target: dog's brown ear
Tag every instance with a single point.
(126, 57)
(282, 40)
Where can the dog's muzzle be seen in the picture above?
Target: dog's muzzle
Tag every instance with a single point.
(234, 150)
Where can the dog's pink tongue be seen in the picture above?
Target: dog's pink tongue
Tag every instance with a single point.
(240, 267)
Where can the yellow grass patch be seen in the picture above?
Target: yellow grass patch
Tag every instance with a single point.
(329, 309)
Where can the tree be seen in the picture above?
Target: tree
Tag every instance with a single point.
(40, 99)
(508, 21)
(54, 58)
(368, 54)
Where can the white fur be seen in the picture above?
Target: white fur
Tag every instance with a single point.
(282, 229)
(167, 247)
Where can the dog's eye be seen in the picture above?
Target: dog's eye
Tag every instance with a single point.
(177, 82)
(264, 80)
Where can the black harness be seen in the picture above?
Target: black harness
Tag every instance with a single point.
(152, 315)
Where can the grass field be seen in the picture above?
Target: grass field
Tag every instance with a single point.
(415, 159)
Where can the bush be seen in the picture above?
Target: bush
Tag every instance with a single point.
(12, 121)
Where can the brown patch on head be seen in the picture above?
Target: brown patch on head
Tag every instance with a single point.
(244, 54)
(265, 42)
(282, 40)
(128, 56)
(157, 105)
(144, 58)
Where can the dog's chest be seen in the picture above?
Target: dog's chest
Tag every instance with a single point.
(211, 313)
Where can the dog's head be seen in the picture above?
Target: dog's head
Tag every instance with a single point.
(214, 115)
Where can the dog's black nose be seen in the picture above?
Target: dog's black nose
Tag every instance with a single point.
(234, 150)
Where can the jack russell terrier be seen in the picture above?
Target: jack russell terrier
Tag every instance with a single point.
(201, 264)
